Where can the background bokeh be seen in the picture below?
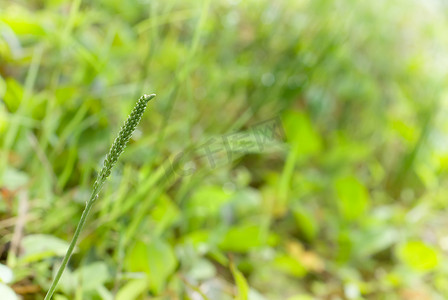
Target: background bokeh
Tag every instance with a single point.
(296, 149)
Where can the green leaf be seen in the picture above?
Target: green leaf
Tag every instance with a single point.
(132, 289)
(23, 24)
(165, 213)
(306, 223)
(289, 265)
(353, 198)
(156, 259)
(418, 256)
(199, 239)
(40, 246)
(404, 129)
(208, 200)
(202, 269)
(93, 275)
(345, 246)
(241, 283)
(14, 94)
(242, 238)
(374, 240)
(14, 179)
(301, 134)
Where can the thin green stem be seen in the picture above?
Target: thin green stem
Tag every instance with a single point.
(111, 158)
(71, 247)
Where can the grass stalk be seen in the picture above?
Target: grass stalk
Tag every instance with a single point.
(115, 151)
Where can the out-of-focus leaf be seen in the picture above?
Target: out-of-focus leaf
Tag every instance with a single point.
(404, 130)
(68, 282)
(93, 275)
(372, 241)
(40, 246)
(246, 201)
(202, 269)
(418, 256)
(14, 179)
(427, 173)
(13, 95)
(306, 223)
(165, 213)
(198, 239)
(23, 25)
(104, 293)
(345, 151)
(132, 289)
(208, 200)
(156, 259)
(345, 246)
(242, 238)
(289, 265)
(301, 133)
(241, 283)
(353, 198)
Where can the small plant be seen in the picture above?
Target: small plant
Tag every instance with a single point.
(111, 158)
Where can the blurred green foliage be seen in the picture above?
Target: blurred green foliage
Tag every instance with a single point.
(346, 200)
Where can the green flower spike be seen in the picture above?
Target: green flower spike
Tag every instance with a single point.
(111, 158)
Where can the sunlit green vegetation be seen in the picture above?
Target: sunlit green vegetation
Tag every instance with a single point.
(296, 149)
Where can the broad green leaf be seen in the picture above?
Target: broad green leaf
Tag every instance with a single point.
(156, 259)
(418, 256)
(242, 238)
(241, 283)
(353, 198)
